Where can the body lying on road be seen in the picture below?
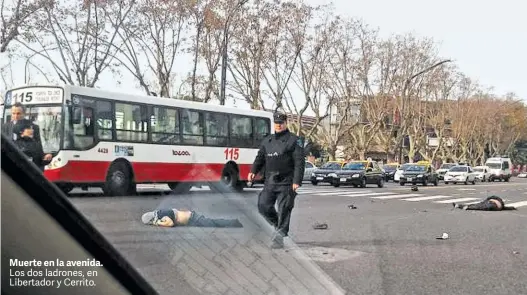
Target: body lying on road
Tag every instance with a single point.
(492, 203)
(174, 217)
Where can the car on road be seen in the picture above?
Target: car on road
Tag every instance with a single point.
(389, 171)
(399, 172)
(460, 173)
(359, 173)
(500, 168)
(309, 169)
(444, 169)
(482, 173)
(321, 174)
(522, 175)
(421, 172)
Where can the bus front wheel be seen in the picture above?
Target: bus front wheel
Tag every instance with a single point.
(119, 180)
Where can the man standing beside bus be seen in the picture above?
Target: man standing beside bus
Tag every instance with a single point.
(281, 155)
(17, 114)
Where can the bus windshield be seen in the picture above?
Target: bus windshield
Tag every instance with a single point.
(48, 119)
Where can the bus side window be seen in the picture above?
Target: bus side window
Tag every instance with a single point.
(83, 130)
(262, 129)
(217, 129)
(241, 131)
(192, 122)
(104, 119)
(164, 123)
(131, 122)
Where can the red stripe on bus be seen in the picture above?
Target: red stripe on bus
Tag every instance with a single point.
(95, 172)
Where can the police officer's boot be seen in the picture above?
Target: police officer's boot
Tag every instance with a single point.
(277, 242)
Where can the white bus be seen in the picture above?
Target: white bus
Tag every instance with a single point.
(115, 141)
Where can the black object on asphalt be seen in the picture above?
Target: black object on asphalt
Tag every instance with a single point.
(320, 226)
(352, 207)
(414, 188)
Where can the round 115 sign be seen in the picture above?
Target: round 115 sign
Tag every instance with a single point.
(35, 95)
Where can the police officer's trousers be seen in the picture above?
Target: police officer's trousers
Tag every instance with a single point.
(284, 197)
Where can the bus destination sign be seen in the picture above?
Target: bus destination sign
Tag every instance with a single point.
(35, 95)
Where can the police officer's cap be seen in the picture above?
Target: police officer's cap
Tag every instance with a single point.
(280, 118)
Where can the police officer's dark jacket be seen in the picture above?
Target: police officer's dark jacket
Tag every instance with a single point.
(282, 155)
(29, 146)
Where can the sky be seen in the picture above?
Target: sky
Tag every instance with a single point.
(487, 41)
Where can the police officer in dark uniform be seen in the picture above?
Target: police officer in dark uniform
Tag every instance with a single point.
(281, 155)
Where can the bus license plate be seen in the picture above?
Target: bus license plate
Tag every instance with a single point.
(320, 178)
(343, 179)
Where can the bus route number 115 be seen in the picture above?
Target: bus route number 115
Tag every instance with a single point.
(232, 153)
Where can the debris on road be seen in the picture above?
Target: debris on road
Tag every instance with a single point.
(515, 252)
(352, 206)
(443, 237)
(414, 188)
(320, 226)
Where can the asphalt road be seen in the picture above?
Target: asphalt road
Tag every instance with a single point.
(387, 245)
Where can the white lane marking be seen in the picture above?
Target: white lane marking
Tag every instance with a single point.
(364, 194)
(368, 194)
(397, 196)
(426, 198)
(456, 200)
(346, 192)
(466, 189)
(317, 192)
(517, 204)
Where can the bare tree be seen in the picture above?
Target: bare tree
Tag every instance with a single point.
(210, 48)
(311, 54)
(68, 37)
(248, 45)
(14, 16)
(149, 42)
(286, 40)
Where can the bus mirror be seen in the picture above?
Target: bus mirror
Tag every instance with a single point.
(77, 115)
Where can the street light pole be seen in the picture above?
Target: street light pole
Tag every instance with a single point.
(405, 96)
(224, 55)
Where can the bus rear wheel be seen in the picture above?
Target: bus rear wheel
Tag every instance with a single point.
(230, 180)
(119, 180)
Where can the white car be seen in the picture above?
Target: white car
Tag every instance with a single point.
(522, 175)
(460, 173)
(482, 173)
(399, 172)
(309, 169)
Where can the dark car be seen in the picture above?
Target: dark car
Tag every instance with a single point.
(422, 173)
(321, 174)
(359, 173)
(389, 171)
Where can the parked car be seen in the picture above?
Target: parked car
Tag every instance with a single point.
(421, 172)
(500, 168)
(310, 168)
(482, 173)
(399, 172)
(389, 171)
(460, 173)
(359, 173)
(321, 174)
(444, 169)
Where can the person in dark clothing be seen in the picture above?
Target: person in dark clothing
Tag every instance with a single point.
(175, 217)
(281, 156)
(17, 114)
(23, 133)
(492, 203)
